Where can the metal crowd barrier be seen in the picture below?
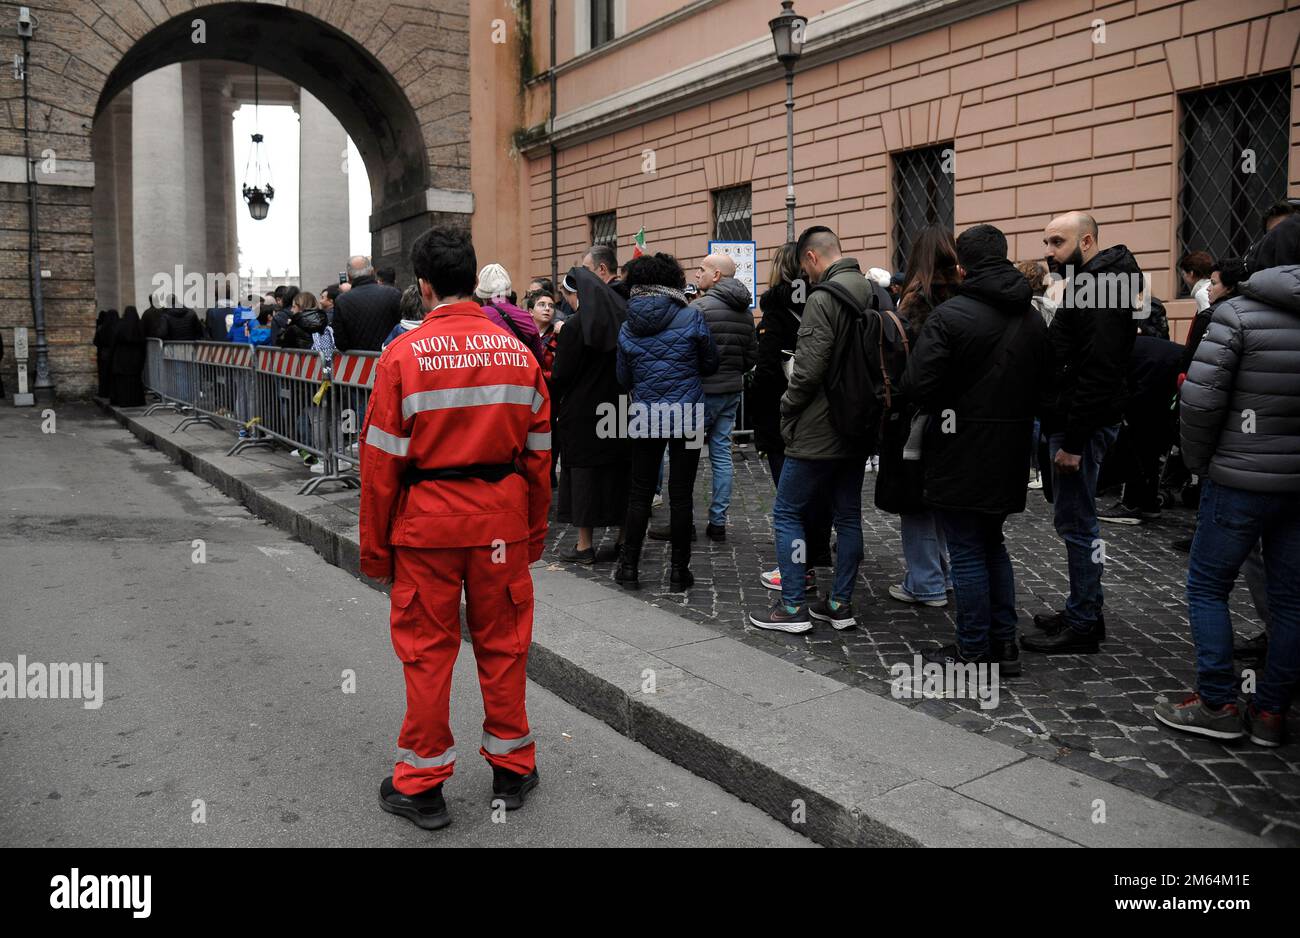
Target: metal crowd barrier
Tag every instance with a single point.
(272, 395)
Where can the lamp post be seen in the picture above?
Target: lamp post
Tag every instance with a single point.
(788, 31)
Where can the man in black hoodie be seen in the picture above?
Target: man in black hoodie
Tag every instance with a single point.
(979, 369)
(1092, 337)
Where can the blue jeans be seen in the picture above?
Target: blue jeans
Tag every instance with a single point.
(982, 580)
(719, 418)
(1230, 523)
(803, 481)
(1075, 501)
(926, 555)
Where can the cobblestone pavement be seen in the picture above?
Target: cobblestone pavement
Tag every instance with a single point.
(1092, 713)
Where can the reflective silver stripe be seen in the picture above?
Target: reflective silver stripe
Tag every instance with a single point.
(537, 401)
(382, 439)
(501, 747)
(539, 442)
(468, 397)
(411, 759)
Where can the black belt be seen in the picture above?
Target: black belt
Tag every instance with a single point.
(489, 472)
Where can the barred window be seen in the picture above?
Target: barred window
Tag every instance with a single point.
(604, 229)
(923, 195)
(1235, 142)
(732, 214)
(602, 22)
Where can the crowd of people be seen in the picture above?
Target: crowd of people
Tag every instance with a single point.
(968, 381)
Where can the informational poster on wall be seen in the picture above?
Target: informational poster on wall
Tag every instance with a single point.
(745, 254)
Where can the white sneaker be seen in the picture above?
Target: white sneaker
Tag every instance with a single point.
(903, 596)
(772, 579)
(657, 501)
(318, 468)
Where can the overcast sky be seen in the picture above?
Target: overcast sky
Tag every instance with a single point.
(273, 241)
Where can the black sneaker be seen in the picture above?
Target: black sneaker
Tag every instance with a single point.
(1151, 514)
(663, 532)
(1066, 641)
(609, 554)
(1007, 656)
(1053, 622)
(841, 618)
(427, 810)
(716, 532)
(511, 787)
(1119, 513)
(952, 654)
(779, 619)
(573, 555)
(1252, 649)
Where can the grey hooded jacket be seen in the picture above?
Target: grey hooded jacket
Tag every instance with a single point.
(726, 309)
(1240, 404)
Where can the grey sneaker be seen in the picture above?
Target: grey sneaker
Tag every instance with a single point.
(840, 618)
(1193, 716)
(1264, 728)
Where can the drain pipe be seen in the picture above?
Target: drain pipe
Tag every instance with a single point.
(43, 386)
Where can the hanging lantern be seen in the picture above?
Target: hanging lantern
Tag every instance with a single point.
(257, 194)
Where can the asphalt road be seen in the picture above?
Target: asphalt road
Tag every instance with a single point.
(223, 682)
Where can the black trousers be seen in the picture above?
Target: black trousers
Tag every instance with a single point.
(683, 463)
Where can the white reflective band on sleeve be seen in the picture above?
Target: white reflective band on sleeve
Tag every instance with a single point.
(537, 401)
(411, 759)
(501, 747)
(539, 442)
(447, 398)
(382, 439)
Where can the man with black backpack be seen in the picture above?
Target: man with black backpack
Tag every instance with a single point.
(826, 447)
(980, 365)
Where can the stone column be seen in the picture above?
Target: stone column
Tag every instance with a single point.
(160, 210)
(196, 172)
(120, 110)
(219, 178)
(104, 212)
(323, 194)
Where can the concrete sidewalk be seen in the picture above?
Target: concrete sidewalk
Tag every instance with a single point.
(835, 763)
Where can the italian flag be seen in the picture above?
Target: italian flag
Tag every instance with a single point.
(639, 240)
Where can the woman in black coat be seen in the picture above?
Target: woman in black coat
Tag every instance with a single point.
(128, 356)
(932, 278)
(105, 326)
(595, 467)
(778, 331)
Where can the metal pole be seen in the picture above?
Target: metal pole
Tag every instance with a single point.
(555, 171)
(43, 387)
(789, 152)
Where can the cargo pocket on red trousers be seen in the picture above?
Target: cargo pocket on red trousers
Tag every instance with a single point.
(404, 621)
(521, 597)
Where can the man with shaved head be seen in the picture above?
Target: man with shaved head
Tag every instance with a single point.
(725, 304)
(1092, 337)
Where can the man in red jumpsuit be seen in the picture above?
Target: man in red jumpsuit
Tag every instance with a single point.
(455, 486)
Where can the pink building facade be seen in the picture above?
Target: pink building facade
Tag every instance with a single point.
(1173, 123)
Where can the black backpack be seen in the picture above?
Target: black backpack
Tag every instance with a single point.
(866, 366)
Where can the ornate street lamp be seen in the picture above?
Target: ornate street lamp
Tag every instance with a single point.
(257, 195)
(788, 31)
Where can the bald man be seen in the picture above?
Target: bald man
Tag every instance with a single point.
(725, 304)
(1092, 340)
(365, 314)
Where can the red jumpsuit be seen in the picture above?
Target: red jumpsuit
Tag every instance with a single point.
(458, 391)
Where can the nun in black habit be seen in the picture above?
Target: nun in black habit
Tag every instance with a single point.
(594, 468)
(105, 326)
(128, 355)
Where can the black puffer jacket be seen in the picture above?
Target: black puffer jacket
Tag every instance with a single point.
(1092, 340)
(980, 389)
(1240, 404)
(778, 331)
(726, 310)
(178, 324)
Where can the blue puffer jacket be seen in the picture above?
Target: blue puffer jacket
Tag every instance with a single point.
(664, 349)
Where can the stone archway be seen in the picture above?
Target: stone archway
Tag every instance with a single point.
(395, 76)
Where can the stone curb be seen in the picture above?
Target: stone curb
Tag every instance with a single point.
(832, 762)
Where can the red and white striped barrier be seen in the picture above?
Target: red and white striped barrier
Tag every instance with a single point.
(289, 363)
(356, 371)
(225, 353)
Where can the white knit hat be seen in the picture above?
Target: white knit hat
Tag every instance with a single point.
(492, 281)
